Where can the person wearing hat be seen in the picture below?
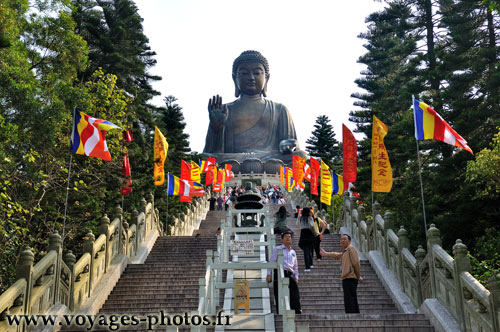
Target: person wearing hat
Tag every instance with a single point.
(291, 268)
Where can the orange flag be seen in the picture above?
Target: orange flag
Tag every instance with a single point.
(381, 166)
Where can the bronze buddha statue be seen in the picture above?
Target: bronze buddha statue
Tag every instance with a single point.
(251, 126)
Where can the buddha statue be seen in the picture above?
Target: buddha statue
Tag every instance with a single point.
(251, 126)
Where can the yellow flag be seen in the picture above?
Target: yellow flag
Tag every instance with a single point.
(381, 167)
(195, 172)
(326, 184)
(160, 154)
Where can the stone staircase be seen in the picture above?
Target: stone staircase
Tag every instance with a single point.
(167, 281)
(323, 302)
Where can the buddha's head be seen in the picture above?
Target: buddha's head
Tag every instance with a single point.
(250, 74)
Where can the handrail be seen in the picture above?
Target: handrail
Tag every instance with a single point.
(433, 274)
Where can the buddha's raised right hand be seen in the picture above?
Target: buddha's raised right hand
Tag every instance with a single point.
(217, 111)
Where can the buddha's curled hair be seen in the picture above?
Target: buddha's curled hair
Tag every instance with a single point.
(250, 56)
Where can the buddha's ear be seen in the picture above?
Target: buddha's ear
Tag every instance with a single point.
(237, 91)
(264, 90)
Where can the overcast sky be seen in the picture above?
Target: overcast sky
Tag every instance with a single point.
(311, 46)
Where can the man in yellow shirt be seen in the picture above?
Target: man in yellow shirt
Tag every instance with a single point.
(351, 272)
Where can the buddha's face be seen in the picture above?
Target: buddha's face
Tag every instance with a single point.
(251, 78)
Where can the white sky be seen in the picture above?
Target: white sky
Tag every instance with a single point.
(311, 46)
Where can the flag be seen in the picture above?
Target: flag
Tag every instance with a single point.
(338, 184)
(381, 166)
(160, 154)
(295, 166)
(307, 172)
(227, 172)
(127, 136)
(185, 190)
(218, 180)
(88, 136)
(209, 177)
(326, 184)
(430, 125)
(185, 170)
(300, 174)
(197, 189)
(173, 185)
(126, 166)
(195, 172)
(126, 186)
(315, 167)
(282, 174)
(349, 155)
(289, 179)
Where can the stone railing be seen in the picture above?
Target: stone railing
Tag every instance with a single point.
(186, 223)
(427, 275)
(61, 279)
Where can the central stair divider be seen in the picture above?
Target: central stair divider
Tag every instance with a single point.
(252, 267)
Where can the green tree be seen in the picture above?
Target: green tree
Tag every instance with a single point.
(323, 143)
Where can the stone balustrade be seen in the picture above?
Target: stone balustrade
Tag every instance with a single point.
(432, 274)
(186, 223)
(62, 279)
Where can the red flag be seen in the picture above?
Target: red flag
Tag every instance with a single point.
(126, 186)
(209, 177)
(295, 168)
(127, 136)
(349, 151)
(185, 170)
(185, 190)
(315, 166)
(126, 166)
(227, 171)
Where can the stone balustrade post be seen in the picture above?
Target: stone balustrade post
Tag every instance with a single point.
(494, 299)
(125, 244)
(70, 259)
(375, 213)
(55, 243)
(370, 233)
(24, 270)
(88, 246)
(420, 254)
(104, 229)
(353, 205)
(117, 213)
(403, 242)
(461, 263)
(433, 237)
(388, 224)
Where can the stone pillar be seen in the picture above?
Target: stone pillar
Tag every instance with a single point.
(461, 263)
(370, 233)
(70, 261)
(433, 237)
(494, 299)
(125, 244)
(117, 213)
(134, 221)
(55, 242)
(420, 254)
(404, 242)
(24, 270)
(388, 224)
(104, 229)
(352, 205)
(88, 246)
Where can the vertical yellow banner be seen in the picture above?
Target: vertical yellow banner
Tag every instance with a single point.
(160, 154)
(381, 167)
(326, 184)
(195, 172)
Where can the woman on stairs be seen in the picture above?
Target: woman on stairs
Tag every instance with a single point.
(307, 234)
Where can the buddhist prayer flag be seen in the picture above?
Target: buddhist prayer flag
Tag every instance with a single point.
(160, 154)
(349, 156)
(197, 190)
(227, 172)
(173, 185)
(300, 174)
(307, 172)
(338, 184)
(315, 167)
(185, 170)
(295, 167)
(209, 177)
(88, 136)
(282, 174)
(381, 167)
(326, 184)
(185, 190)
(430, 125)
(195, 172)
(289, 179)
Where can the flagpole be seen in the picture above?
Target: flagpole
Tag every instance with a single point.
(421, 190)
(66, 201)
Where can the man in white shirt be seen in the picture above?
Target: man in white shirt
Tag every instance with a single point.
(291, 268)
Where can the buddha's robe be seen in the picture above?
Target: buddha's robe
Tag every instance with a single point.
(264, 137)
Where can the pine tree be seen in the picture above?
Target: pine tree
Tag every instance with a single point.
(323, 143)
